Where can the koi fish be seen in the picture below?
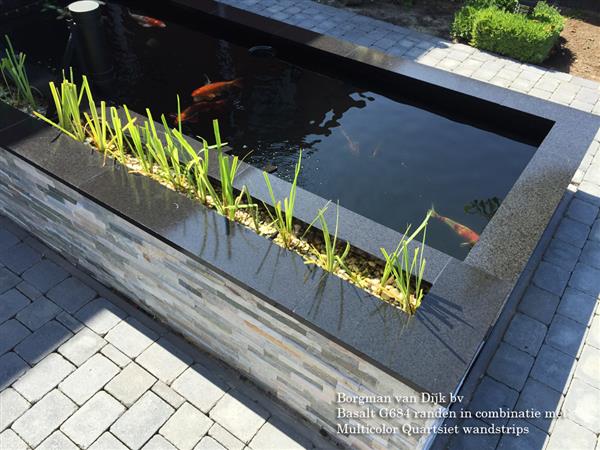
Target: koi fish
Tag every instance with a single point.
(470, 236)
(191, 113)
(147, 22)
(211, 91)
(353, 146)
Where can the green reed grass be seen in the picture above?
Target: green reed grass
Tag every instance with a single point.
(14, 74)
(283, 218)
(330, 258)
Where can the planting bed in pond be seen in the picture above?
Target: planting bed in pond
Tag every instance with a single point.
(300, 333)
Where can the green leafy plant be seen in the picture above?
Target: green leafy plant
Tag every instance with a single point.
(283, 218)
(545, 13)
(14, 74)
(135, 143)
(330, 258)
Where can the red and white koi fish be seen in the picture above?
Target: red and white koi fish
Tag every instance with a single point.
(470, 236)
(211, 91)
(147, 22)
(192, 112)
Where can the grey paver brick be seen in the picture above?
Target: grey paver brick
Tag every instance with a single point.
(115, 355)
(142, 420)
(567, 434)
(562, 254)
(510, 366)
(539, 304)
(69, 321)
(131, 337)
(158, 443)
(8, 280)
(525, 333)
(533, 439)
(42, 342)
(208, 443)
(238, 414)
(585, 279)
(44, 377)
(167, 394)
(7, 239)
(57, 441)
(225, 438)
(11, 368)
(10, 440)
(593, 337)
(279, 434)
(553, 368)
(38, 313)
(540, 397)
(88, 379)
(551, 277)
(577, 306)
(582, 405)
(108, 442)
(491, 395)
(186, 427)
(44, 275)
(566, 335)
(582, 211)
(201, 387)
(130, 384)
(44, 417)
(20, 257)
(164, 360)
(100, 315)
(71, 294)
(463, 441)
(12, 405)
(11, 302)
(29, 290)
(595, 232)
(11, 333)
(588, 367)
(82, 346)
(591, 254)
(573, 232)
(92, 419)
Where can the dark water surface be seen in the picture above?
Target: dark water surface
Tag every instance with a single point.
(383, 159)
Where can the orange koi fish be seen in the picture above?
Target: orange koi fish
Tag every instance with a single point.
(211, 91)
(470, 236)
(191, 113)
(352, 145)
(147, 22)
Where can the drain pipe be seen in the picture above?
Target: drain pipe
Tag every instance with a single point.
(90, 41)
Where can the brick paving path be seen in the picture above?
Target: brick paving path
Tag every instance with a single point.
(82, 368)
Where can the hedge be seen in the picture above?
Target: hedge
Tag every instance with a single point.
(527, 38)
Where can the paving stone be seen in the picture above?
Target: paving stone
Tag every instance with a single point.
(158, 443)
(551, 278)
(582, 211)
(57, 441)
(566, 335)
(562, 254)
(186, 427)
(11, 333)
(130, 384)
(8, 280)
(241, 416)
(553, 368)
(29, 290)
(11, 441)
(42, 342)
(200, 387)
(595, 233)
(539, 397)
(208, 443)
(108, 442)
(11, 302)
(88, 379)
(7, 239)
(38, 313)
(510, 366)
(572, 231)
(539, 304)
(142, 420)
(277, 433)
(164, 360)
(92, 419)
(577, 306)
(588, 367)
(582, 405)
(11, 368)
(569, 435)
(71, 294)
(45, 275)
(167, 394)
(585, 278)
(115, 355)
(82, 346)
(225, 438)
(533, 439)
(100, 315)
(591, 254)
(44, 377)
(131, 337)
(70, 322)
(44, 417)
(491, 395)
(464, 441)
(525, 333)
(12, 406)
(20, 257)
(593, 337)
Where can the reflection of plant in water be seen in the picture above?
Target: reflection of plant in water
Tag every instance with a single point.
(486, 208)
(61, 12)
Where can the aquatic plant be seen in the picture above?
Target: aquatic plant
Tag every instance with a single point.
(330, 258)
(283, 218)
(135, 144)
(14, 74)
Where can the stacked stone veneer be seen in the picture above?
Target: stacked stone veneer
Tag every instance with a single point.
(295, 363)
